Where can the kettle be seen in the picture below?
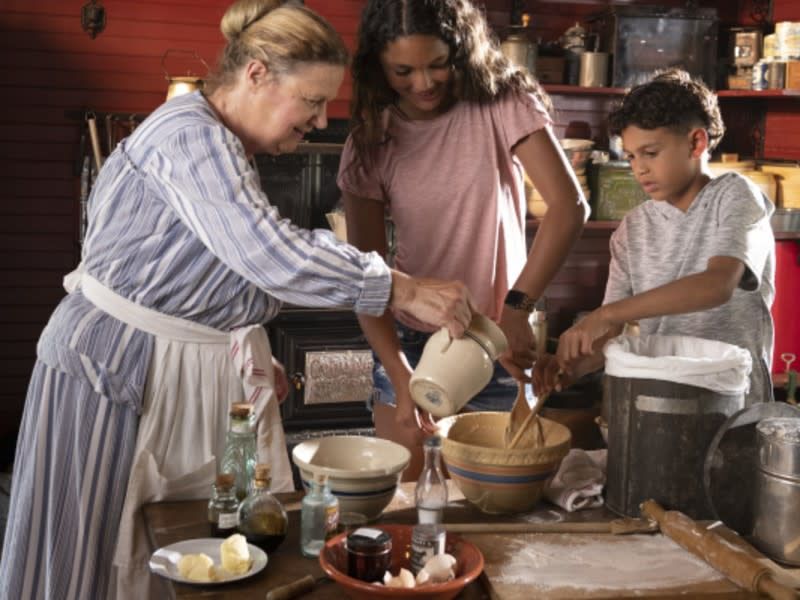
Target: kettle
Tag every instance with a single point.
(185, 84)
(519, 49)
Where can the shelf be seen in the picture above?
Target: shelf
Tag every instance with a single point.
(575, 90)
(758, 93)
(560, 88)
(533, 223)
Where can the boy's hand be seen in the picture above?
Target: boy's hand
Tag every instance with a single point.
(578, 340)
(548, 376)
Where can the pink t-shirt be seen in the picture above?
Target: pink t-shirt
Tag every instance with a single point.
(455, 193)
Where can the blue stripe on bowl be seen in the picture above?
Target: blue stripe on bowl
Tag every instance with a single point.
(498, 478)
(307, 486)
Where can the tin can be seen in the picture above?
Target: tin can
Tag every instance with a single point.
(776, 530)
(760, 74)
(776, 75)
(427, 541)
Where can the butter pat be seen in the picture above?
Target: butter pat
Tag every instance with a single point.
(235, 555)
(196, 567)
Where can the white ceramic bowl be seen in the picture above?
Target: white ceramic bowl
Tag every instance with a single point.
(362, 471)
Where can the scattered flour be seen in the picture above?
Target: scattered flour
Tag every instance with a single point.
(592, 563)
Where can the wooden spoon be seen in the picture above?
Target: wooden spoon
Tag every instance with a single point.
(521, 428)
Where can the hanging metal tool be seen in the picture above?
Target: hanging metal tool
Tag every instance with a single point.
(91, 121)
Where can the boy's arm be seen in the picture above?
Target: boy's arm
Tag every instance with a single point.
(701, 291)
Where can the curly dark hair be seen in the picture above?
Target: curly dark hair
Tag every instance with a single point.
(482, 72)
(670, 99)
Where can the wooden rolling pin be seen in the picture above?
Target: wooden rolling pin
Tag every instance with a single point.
(733, 562)
(616, 527)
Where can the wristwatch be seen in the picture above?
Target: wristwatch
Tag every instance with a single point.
(520, 301)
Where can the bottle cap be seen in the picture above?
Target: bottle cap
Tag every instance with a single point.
(225, 480)
(241, 409)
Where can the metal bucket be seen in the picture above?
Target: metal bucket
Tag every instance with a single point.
(776, 529)
(658, 435)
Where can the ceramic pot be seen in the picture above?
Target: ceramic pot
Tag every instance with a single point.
(452, 371)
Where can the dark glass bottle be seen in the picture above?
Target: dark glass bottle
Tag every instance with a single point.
(223, 507)
(262, 518)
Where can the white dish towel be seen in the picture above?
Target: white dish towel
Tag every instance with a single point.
(579, 482)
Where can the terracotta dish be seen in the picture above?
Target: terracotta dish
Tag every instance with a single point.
(333, 559)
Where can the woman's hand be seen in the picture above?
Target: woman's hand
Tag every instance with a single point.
(548, 376)
(578, 340)
(281, 381)
(411, 419)
(521, 343)
(433, 301)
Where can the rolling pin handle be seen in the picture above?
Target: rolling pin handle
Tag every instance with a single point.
(769, 587)
(292, 590)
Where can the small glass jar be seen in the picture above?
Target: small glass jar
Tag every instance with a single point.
(223, 507)
(369, 554)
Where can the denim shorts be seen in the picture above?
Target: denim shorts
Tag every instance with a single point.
(499, 393)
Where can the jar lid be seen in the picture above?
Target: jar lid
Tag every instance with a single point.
(369, 540)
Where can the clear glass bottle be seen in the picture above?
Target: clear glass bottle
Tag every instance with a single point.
(262, 518)
(431, 492)
(223, 507)
(319, 516)
(239, 457)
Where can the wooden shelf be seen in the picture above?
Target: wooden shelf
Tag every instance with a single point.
(558, 88)
(758, 93)
(533, 223)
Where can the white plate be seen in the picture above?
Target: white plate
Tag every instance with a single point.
(164, 561)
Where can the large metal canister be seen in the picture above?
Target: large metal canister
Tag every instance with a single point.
(777, 502)
(658, 436)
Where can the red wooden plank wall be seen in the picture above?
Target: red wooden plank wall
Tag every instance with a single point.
(48, 65)
(782, 127)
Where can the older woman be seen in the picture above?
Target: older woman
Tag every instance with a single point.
(183, 261)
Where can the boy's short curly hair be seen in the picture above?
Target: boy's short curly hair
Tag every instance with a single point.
(671, 99)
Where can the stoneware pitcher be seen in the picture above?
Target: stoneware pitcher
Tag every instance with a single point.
(452, 371)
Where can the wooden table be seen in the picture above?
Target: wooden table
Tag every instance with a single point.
(169, 522)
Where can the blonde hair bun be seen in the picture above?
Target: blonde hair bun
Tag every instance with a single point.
(241, 14)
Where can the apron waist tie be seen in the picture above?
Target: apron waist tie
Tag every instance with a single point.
(248, 346)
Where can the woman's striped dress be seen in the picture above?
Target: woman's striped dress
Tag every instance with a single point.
(179, 224)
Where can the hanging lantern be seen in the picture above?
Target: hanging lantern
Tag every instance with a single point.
(93, 18)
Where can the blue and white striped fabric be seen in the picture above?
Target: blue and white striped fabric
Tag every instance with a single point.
(179, 224)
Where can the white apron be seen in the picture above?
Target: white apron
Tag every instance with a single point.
(195, 374)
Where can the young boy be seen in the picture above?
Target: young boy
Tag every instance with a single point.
(697, 258)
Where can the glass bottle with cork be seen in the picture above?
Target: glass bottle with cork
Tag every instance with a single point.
(223, 507)
(239, 456)
(262, 518)
(319, 516)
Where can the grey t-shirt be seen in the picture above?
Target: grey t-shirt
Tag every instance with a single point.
(657, 243)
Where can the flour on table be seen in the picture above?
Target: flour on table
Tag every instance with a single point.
(611, 562)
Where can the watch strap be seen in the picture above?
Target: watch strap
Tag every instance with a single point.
(520, 301)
